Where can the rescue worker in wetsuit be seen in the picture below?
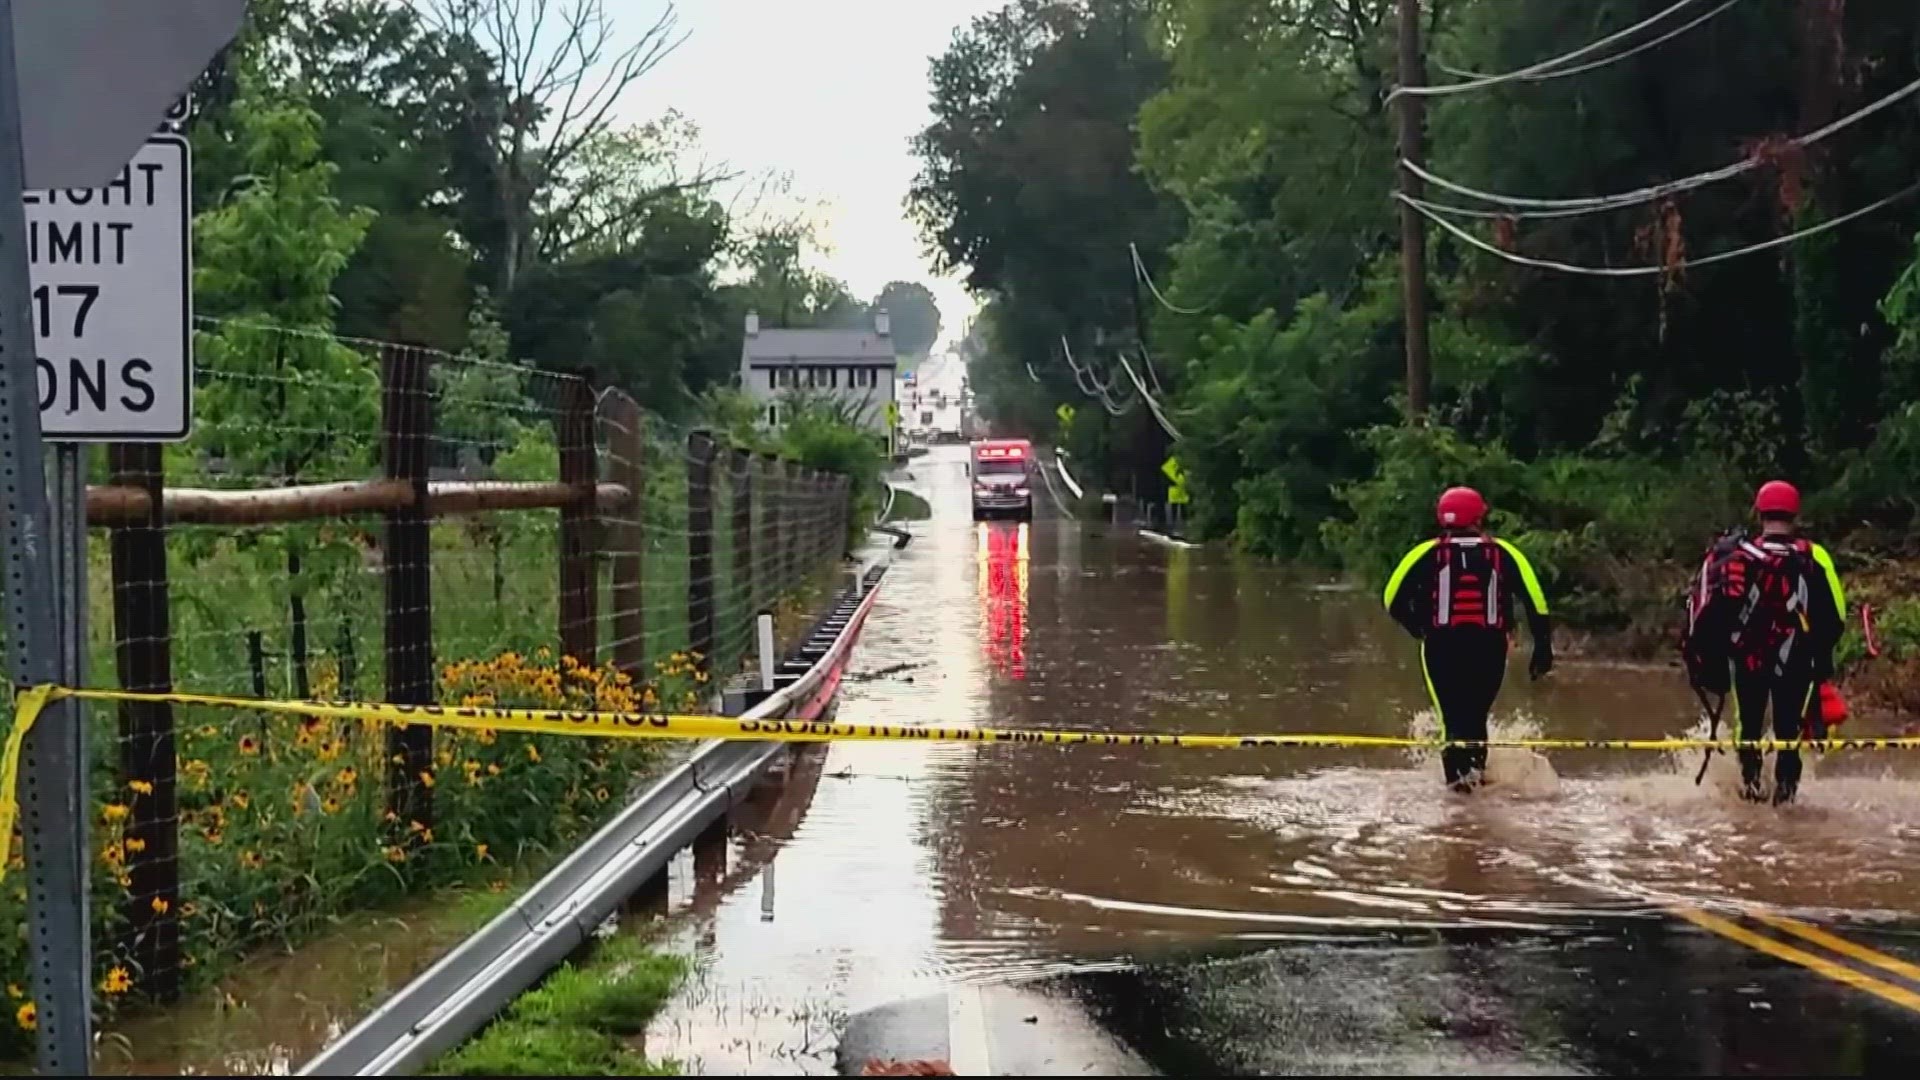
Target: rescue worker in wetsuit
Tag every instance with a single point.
(1455, 594)
(1784, 611)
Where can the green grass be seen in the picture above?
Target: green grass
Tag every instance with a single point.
(577, 1022)
(909, 507)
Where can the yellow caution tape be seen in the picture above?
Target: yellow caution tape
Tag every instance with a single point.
(31, 702)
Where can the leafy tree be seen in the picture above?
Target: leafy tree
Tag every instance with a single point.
(283, 401)
(392, 95)
(648, 318)
(1027, 181)
(914, 315)
(784, 290)
(564, 67)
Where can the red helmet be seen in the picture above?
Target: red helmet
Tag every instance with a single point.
(1460, 508)
(1777, 497)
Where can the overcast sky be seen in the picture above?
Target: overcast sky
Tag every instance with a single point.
(828, 91)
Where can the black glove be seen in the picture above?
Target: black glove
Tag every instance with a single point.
(1542, 661)
(1822, 669)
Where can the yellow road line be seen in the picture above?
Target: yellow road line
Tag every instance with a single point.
(1840, 973)
(1841, 945)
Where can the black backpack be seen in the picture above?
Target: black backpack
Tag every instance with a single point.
(1747, 604)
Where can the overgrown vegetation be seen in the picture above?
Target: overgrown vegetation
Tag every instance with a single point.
(366, 174)
(584, 1020)
(1246, 148)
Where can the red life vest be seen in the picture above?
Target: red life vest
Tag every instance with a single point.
(1466, 583)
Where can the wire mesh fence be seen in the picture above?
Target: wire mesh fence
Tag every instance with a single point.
(364, 521)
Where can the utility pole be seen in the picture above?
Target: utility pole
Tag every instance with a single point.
(1413, 230)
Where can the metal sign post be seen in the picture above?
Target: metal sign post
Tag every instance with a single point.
(52, 811)
(83, 130)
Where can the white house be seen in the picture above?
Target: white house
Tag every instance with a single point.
(853, 366)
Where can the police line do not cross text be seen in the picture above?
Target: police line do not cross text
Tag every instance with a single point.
(112, 301)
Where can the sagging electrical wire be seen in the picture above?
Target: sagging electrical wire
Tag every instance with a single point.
(1140, 271)
(1153, 405)
(1091, 386)
(1525, 207)
(1533, 70)
(1591, 65)
(1650, 271)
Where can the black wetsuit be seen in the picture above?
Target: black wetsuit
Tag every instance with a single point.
(1465, 664)
(1784, 685)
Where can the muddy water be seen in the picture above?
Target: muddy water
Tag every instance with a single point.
(910, 866)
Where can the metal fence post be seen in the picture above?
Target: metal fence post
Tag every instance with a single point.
(144, 658)
(700, 454)
(407, 420)
(579, 572)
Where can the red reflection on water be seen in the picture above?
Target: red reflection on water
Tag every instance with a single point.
(1002, 561)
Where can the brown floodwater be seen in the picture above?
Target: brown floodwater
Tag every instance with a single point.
(906, 867)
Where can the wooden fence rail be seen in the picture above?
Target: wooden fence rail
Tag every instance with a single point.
(601, 523)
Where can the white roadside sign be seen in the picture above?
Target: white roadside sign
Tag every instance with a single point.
(112, 301)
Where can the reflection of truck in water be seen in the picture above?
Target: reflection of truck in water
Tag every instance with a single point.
(1002, 478)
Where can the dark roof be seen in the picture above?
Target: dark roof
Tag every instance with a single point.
(801, 346)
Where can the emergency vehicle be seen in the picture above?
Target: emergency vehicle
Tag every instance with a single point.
(1002, 473)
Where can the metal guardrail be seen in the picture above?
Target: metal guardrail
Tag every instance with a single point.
(1060, 463)
(470, 985)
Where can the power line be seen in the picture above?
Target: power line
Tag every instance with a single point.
(1097, 390)
(1544, 208)
(1592, 65)
(1140, 271)
(1532, 70)
(1152, 405)
(1649, 271)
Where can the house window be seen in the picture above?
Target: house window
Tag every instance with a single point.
(773, 379)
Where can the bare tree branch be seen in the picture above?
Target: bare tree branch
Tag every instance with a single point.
(563, 71)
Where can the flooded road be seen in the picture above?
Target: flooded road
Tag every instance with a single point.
(896, 871)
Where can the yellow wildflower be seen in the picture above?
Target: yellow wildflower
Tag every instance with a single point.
(395, 854)
(27, 1017)
(159, 905)
(113, 812)
(480, 852)
(240, 800)
(140, 787)
(135, 845)
(252, 860)
(117, 981)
